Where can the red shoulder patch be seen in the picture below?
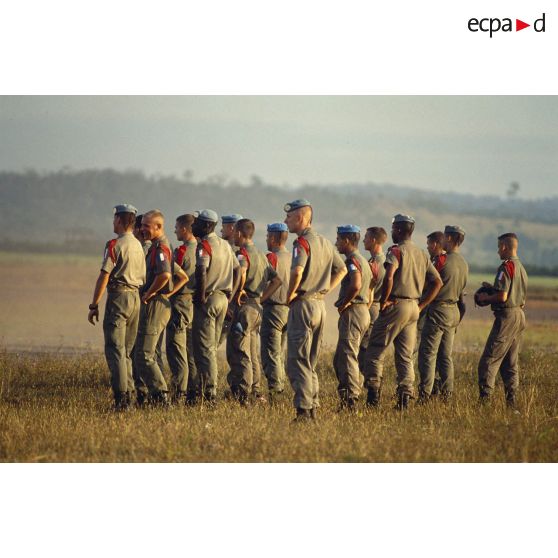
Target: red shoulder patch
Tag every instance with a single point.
(396, 251)
(207, 247)
(356, 263)
(111, 251)
(440, 262)
(166, 250)
(303, 243)
(179, 254)
(510, 268)
(244, 253)
(272, 259)
(375, 269)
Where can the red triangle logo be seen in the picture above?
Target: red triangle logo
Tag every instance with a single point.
(519, 25)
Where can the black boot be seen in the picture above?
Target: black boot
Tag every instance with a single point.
(373, 397)
(423, 397)
(352, 404)
(303, 415)
(142, 399)
(121, 401)
(402, 401)
(160, 399)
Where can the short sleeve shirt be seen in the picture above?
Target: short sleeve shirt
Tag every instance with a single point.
(511, 277)
(356, 263)
(376, 263)
(280, 260)
(258, 270)
(217, 256)
(124, 261)
(454, 271)
(159, 260)
(185, 258)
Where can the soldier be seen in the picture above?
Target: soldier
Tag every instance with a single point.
(180, 353)
(276, 311)
(435, 249)
(442, 317)
(258, 281)
(502, 347)
(123, 271)
(217, 278)
(374, 239)
(145, 244)
(155, 310)
(407, 269)
(227, 233)
(316, 268)
(354, 315)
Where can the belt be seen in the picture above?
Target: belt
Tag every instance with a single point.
(182, 295)
(315, 296)
(443, 303)
(273, 303)
(121, 289)
(253, 299)
(403, 299)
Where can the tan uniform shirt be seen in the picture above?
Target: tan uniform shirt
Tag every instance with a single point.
(356, 263)
(412, 266)
(376, 263)
(280, 261)
(511, 277)
(185, 258)
(454, 271)
(217, 256)
(258, 270)
(319, 258)
(159, 260)
(124, 260)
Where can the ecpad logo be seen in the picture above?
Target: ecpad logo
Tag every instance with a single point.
(493, 25)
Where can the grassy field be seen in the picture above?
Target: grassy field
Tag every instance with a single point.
(58, 408)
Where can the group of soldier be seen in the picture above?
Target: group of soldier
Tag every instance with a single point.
(213, 289)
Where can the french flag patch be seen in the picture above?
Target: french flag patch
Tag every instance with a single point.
(161, 256)
(352, 267)
(501, 275)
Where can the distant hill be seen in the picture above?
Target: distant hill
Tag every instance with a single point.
(71, 210)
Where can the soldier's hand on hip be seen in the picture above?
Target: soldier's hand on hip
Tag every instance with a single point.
(386, 305)
(93, 315)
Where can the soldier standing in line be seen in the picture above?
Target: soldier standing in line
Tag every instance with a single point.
(227, 233)
(435, 249)
(374, 239)
(502, 346)
(180, 353)
(276, 312)
(217, 278)
(258, 281)
(155, 310)
(354, 315)
(316, 268)
(145, 244)
(407, 269)
(442, 317)
(123, 272)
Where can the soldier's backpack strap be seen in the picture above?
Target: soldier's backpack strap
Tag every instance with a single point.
(111, 252)
(440, 262)
(303, 243)
(244, 253)
(272, 259)
(179, 254)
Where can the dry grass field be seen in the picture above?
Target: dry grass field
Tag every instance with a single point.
(55, 401)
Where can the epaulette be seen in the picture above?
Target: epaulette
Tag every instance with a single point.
(110, 250)
(374, 268)
(272, 259)
(510, 268)
(244, 253)
(207, 247)
(356, 263)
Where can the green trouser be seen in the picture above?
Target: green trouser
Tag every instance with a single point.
(374, 313)
(436, 345)
(243, 349)
(274, 345)
(139, 384)
(208, 323)
(305, 329)
(179, 345)
(352, 325)
(398, 325)
(502, 352)
(154, 317)
(120, 326)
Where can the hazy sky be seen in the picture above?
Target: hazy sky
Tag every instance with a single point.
(476, 144)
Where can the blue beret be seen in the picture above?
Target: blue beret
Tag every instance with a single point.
(399, 218)
(344, 229)
(125, 208)
(296, 204)
(206, 215)
(454, 229)
(231, 219)
(277, 227)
